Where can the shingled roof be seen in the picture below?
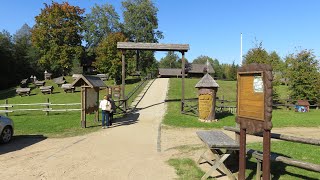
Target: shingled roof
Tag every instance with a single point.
(89, 81)
(199, 68)
(207, 81)
(169, 72)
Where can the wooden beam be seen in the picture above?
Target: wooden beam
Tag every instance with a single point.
(183, 75)
(286, 160)
(152, 46)
(281, 137)
(123, 75)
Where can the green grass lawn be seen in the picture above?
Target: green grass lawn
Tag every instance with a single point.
(302, 152)
(187, 169)
(227, 90)
(56, 124)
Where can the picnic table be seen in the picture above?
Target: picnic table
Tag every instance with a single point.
(46, 89)
(216, 142)
(59, 80)
(23, 91)
(68, 88)
(39, 83)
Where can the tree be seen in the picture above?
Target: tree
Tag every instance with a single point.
(303, 74)
(218, 72)
(26, 60)
(99, 23)
(7, 61)
(140, 25)
(109, 57)
(170, 61)
(57, 34)
(256, 55)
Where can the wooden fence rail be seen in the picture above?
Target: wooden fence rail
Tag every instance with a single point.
(46, 107)
(278, 158)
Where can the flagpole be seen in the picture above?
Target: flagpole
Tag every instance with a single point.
(241, 49)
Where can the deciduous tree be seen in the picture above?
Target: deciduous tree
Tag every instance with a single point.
(109, 57)
(57, 34)
(141, 25)
(99, 23)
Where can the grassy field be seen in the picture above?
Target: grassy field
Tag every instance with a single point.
(187, 169)
(227, 90)
(57, 124)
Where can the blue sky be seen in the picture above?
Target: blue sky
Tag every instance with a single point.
(210, 27)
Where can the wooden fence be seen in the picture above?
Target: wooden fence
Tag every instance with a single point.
(45, 107)
(279, 158)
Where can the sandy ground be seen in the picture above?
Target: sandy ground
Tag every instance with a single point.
(133, 148)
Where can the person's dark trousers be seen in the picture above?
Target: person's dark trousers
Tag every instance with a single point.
(110, 118)
(105, 118)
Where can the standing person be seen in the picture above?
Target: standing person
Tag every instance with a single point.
(113, 109)
(105, 107)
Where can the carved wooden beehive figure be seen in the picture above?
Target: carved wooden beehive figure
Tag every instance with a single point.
(207, 90)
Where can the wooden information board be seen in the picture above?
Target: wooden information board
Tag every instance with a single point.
(254, 110)
(251, 96)
(205, 105)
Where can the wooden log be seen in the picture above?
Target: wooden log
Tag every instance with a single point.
(286, 160)
(281, 137)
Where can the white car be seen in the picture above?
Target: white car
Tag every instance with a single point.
(6, 129)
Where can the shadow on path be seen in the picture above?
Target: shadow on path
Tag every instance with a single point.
(20, 142)
(128, 119)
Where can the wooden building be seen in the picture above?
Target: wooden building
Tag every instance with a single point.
(198, 70)
(169, 72)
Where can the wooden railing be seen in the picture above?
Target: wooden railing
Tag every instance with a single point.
(45, 107)
(278, 158)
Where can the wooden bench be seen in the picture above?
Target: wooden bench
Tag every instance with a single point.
(216, 142)
(59, 81)
(39, 83)
(68, 88)
(23, 91)
(46, 89)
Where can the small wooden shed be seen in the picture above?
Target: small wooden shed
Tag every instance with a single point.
(302, 106)
(207, 90)
(90, 86)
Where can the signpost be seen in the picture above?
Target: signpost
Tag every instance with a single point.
(254, 110)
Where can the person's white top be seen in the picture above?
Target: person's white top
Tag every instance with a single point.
(103, 104)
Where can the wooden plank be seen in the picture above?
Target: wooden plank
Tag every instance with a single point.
(286, 160)
(281, 137)
(152, 46)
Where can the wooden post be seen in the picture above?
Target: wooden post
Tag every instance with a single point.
(6, 108)
(213, 108)
(47, 106)
(266, 155)
(182, 82)
(123, 77)
(137, 60)
(242, 154)
(83, 108)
